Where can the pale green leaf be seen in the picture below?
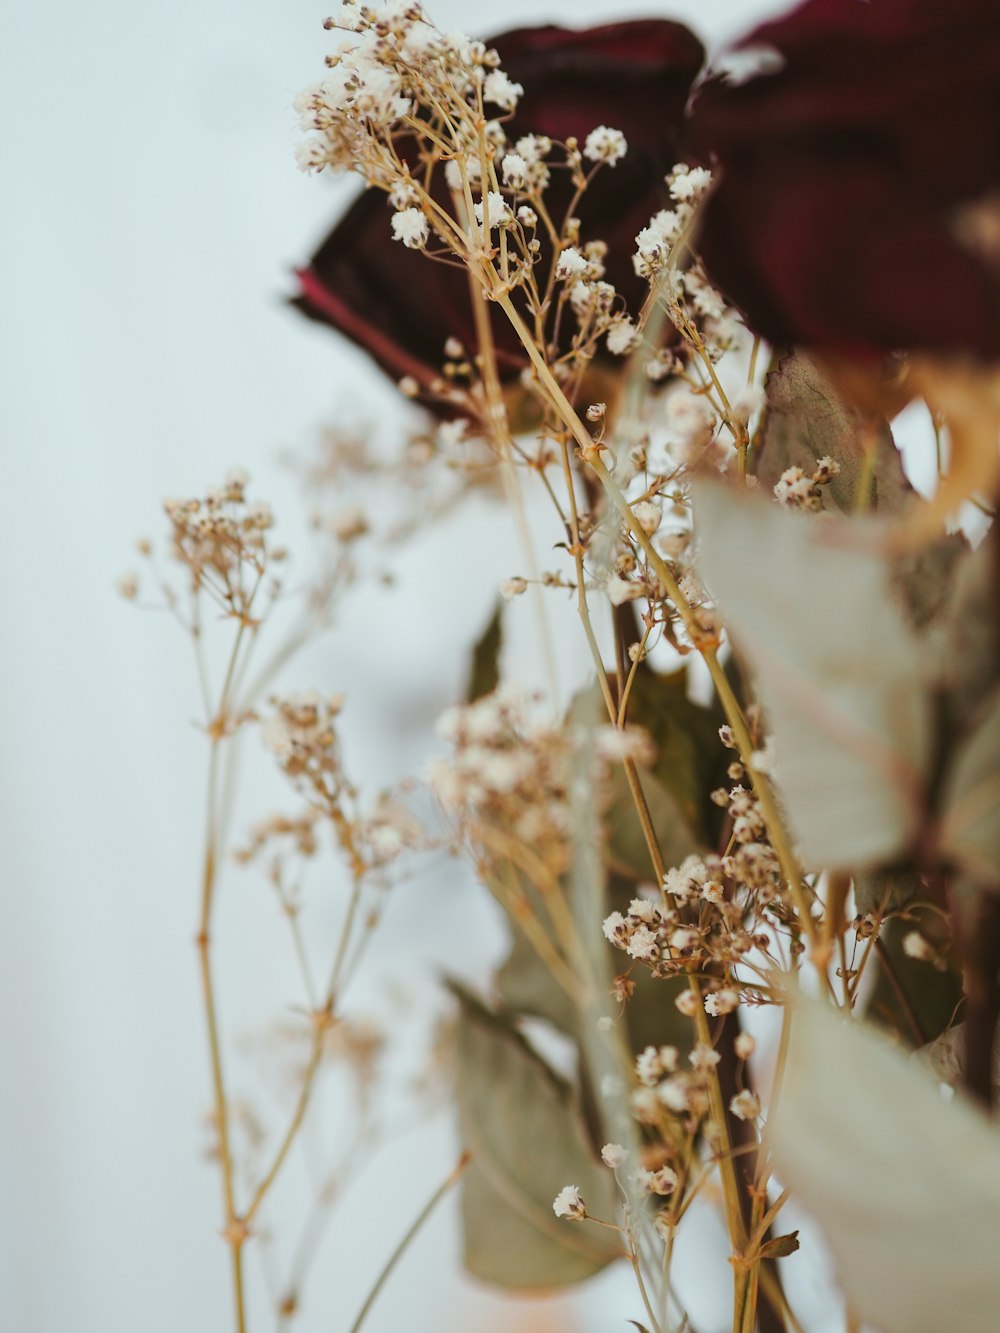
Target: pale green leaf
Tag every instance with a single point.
(838, 670)
(905, 1186)
(484, 667)
(523, 1126)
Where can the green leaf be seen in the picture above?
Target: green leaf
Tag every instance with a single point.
(690, 762)
(524, 1128)
(970, 831)
(780, 1247)
(905, 1186)
(524, 984)
(627, 852)
(839, 672)
(484, 669)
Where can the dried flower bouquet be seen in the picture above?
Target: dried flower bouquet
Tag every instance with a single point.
(687, 306)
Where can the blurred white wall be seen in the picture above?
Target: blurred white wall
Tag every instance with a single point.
(151, 214)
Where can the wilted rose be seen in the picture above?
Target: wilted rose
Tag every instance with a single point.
(858, 202)
(401, 307)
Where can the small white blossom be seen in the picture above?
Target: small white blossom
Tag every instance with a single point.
(643, 909)
(511, 588)
(605, 145)
(613, 1154)
(721, 1002)
(515, 170)
(571, 263)
(617, 746)
(744, 1045)
(622, 337)
(348, 524)
(644, 1105)
(674, 1094)
(748, 401)
(687, 1003)
(615, 928)
(527, 216)
(500, 214)
(703, 1059)
(128, 586)
(533, 147)
(663, 1181)
(916, 947)
(453, 172)
(568, 1203)
(404, 194)
(647, 1066)
(688, 183)
(643, 945)
(648, 515)
(745, 1105)
(410, 227)
(619, 590)
(312, 154)
(499, 89)
(669, 1055)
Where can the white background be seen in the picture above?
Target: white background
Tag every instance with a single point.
(151, 216)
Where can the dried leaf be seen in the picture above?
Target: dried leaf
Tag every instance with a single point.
(484, 668)
(839, 672)
(524, 1128)
(968, 398)
(905, 1186)
(945, 1057)
(806, 419)
(881, 891)
(970, 830)
(780, 1247)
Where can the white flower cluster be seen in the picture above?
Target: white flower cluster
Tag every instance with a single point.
(796, 489)
(667, 1090)
(511, 768)
(300, 733)
(569, 1203)
(220, 536)
(604, 144)
(387, 60)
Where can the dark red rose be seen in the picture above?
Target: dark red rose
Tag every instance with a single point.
(636, 77)
(858, 203)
